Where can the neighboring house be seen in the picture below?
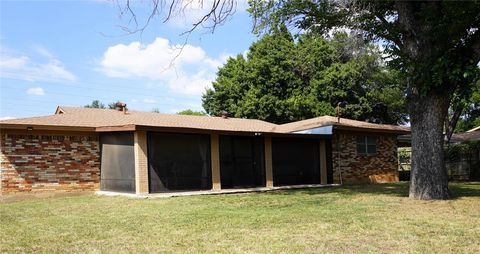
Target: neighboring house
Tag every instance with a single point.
(464, 164)
(470, 135)
(457, 138)
(143, 152)
(474, 129)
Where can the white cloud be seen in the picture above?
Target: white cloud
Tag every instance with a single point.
(194, 84)
(22, 67)
(44, 52)
(6, 118)
(36, 91)
(245, 53)
(188, 70)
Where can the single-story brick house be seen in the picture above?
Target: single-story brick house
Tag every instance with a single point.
(146, 152)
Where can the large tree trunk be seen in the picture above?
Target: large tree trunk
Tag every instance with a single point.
(429, 178)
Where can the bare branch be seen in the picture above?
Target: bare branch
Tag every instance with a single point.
(217, 14)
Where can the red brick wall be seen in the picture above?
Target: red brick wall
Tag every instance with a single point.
(353, 167)
(49, 162)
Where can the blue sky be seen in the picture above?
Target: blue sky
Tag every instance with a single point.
(72, 52)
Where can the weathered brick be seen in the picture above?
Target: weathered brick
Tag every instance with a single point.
(35, 163)
(352, 167)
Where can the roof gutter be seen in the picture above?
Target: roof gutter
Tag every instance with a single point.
(130, 127)
(31, 127)
(379, 130)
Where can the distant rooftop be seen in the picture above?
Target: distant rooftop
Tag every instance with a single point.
(471, 135)
(474, 129)
(344, 123)
(104, 119)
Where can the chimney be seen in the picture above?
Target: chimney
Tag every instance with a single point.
(224, 114)
(120, 106)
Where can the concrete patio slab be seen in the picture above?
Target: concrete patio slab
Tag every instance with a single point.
(212, 192)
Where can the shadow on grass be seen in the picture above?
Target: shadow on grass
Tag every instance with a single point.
(400, 189)
(470, 189)
(394, 189)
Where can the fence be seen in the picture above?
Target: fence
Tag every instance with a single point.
(462, 163)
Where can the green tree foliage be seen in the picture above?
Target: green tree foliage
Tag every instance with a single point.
(99, 104)
(283, 80)
(190, 112)
(113, 105)
(95, 104)
(471, 114)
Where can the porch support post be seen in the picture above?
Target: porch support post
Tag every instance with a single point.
(323, 162)
(268, 162)
(141, 162)
(215, 157)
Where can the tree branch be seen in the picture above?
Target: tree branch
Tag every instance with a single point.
(451, 123)
(217, 14)
(475, 47)
(388, 26)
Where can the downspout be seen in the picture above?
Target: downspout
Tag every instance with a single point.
(337, 137)
(338, 111)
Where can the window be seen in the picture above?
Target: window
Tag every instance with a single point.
(366, 145)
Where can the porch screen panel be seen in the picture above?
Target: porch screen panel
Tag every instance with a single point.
(117, 170)
(295, 161)
(328, 145)
(179, 162)
(242, 161)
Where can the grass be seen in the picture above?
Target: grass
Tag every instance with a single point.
(349, 219)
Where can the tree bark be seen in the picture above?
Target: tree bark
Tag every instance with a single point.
(429, 178)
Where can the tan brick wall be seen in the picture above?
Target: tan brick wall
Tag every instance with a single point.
(215, 158)
(268, 162)
(49, 162)
(141, 162)
(353, 167)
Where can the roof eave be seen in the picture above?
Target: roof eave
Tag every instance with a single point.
(30, 127)
(199, 130)
(363, 129)
(129, 127)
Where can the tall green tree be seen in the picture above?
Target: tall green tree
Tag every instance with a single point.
(435, 44)
(283, 80)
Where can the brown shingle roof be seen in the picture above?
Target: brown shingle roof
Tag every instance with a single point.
(97, 118)
(343, 123)
(467, 136)
(92, 117)
(474, 129)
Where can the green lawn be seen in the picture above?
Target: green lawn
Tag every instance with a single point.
(372, 218)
